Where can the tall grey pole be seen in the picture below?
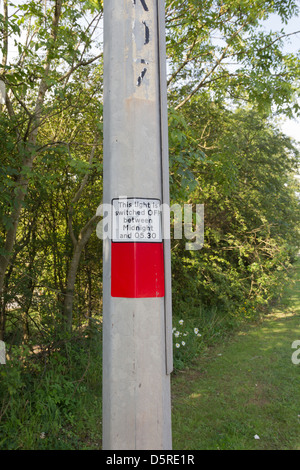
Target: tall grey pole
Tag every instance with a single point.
(137, 330)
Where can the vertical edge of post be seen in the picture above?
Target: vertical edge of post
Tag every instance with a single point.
(165, 180)
(2, 353)
(2, 92)
(106, 392)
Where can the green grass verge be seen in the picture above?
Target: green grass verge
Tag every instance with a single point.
(241, 384)
(245, 388)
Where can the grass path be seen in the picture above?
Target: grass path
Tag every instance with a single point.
(245, 393)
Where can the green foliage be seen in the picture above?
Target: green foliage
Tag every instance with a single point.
(184, 153)
(251, 213)
(222, 49)
(43, 396)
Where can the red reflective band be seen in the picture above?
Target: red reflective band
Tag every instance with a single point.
(137, 270)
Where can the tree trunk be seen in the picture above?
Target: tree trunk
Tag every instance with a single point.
(29, 147)
(70, 288)
(71, 276)
(8, 248)
(2, 320)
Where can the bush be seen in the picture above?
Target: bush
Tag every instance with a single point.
(43, 396)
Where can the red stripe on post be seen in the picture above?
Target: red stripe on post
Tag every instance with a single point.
(137, 270)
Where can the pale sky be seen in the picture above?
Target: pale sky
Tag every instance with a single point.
(292, 128)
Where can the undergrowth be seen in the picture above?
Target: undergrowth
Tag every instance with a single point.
(52, 399)
(51, 396)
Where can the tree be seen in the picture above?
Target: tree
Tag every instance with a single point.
(58, 43)
(221, 48)
(244, 176)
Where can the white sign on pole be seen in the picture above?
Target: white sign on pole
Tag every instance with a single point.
(2, 353)
(2, 92)
(136, 220)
